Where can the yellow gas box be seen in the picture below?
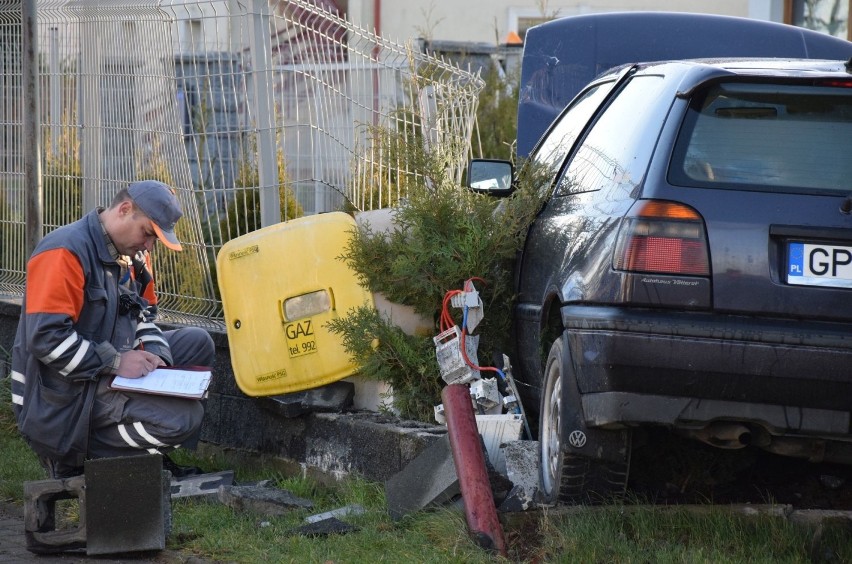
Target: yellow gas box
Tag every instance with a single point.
(279, 287)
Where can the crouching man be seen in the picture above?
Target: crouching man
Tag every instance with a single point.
(88, 315)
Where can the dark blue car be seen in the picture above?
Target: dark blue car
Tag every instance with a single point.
(692, 267)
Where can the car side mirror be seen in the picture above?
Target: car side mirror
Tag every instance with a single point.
(490, 176)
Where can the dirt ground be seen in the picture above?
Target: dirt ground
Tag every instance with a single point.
(671, 470)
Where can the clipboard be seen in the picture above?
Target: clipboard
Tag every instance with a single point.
(178, 381)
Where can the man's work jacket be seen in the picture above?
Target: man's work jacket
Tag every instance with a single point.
(77, 316)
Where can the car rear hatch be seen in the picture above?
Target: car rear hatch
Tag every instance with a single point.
(768, 167)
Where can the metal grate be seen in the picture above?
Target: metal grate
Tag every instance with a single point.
(254, 111)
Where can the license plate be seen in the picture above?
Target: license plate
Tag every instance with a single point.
(809, 264)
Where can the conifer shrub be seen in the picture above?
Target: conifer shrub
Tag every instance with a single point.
(441, 235)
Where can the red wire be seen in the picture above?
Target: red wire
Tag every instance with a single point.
(468, 284)
(447, 321)
(467, 360)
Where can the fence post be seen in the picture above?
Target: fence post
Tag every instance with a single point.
(90, 116)
(264, 118)
(32, 139)
(55, 93)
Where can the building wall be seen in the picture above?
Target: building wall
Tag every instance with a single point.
(771, 10)
(491, 20)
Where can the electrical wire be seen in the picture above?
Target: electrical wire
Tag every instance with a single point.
(447, 322)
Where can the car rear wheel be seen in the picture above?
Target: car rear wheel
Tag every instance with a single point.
(567, 477)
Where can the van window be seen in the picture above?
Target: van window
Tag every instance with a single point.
(761, 136)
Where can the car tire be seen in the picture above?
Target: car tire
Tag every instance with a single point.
(567, 477)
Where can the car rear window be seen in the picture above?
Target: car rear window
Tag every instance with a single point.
(775, 137)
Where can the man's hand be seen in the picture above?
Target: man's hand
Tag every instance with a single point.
(134, 364)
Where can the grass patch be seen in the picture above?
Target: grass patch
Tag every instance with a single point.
(19, 465)
(649, 534)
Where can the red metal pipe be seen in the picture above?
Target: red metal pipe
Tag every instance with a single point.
(469, 460)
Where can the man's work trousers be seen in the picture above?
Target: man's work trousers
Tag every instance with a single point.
(127, 423)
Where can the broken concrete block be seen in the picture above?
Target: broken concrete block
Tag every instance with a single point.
(124, 506)
(334, 397)
(499, 483)
(201, 484)
(266, 501)
(519, 499)
(522, 469)
(40, 497)
(428, 479)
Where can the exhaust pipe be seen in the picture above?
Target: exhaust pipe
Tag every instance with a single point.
(724, 435)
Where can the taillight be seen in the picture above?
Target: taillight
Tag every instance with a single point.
(844, 83)
(662, 237)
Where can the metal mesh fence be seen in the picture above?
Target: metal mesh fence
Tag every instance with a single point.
(255, 112)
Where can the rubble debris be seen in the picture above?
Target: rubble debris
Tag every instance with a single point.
(264, 500)
(353, 509)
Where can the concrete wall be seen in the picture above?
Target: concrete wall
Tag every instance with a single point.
(370, 444)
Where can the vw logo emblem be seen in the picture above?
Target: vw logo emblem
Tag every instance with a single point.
(577, 439)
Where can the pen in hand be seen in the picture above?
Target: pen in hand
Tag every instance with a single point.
(138, 363)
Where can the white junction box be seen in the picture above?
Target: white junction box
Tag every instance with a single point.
(454, 369)
(486, 396)
(496, 430)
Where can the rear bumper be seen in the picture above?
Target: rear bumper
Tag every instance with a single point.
(690, 369)
(610, 409)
